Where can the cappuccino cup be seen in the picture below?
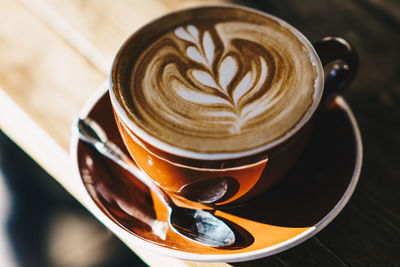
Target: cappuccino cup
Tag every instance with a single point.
(216, 103)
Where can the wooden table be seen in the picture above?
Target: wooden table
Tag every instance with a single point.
(55, 53)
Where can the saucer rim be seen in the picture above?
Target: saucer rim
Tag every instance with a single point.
(243, 256)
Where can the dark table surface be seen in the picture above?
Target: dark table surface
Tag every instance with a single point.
(367, 231)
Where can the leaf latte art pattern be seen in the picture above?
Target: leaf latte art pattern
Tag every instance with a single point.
(202, 50)
(220, 85)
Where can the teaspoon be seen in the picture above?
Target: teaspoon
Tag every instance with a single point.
(197, 225)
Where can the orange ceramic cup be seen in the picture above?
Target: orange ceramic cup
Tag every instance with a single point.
(227, 178)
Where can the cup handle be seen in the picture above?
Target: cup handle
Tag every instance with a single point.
(337, 78)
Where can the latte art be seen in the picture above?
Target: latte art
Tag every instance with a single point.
(221, 80)
(221, 84)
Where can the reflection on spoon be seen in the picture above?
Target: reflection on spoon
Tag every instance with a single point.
(211, 191)
(197, 225)
(207, 192)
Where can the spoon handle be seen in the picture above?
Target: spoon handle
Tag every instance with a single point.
(92, 133)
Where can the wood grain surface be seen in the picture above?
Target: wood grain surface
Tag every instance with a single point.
(55, 53)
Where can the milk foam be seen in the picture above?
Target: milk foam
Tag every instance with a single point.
(222, 85)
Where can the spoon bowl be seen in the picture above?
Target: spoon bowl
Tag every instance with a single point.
(202, 227)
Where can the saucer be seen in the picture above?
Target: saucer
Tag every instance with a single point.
(307, 199)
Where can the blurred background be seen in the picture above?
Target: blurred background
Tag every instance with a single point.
(42, 225)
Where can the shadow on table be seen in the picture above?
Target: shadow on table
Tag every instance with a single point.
(42, 225)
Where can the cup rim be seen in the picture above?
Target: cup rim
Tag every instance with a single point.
(186, 153)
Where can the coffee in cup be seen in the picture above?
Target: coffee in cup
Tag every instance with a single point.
(209, 97)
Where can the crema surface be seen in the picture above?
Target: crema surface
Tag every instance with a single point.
(219, 83)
